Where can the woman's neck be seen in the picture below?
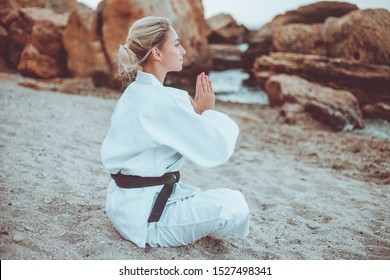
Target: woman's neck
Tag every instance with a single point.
(151, 69)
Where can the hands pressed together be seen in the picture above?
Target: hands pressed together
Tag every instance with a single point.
(204, 95)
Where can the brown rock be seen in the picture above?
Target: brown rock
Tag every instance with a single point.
(220, 21)
(312, 13)
(19, 34)
(362, 35)
(370, 83)
(4, 49)
(255, 50)
(191, 27)
(292, 112)
(35, 33)
(337, 108)
(3, 40)
(381, 110)
(320, 11)
(260, 41)
(309, 14)
(186, 17)
(225, 56)
(36, 64)
(58, 6)
(3, 64)
(86, 57)
(299, 38)
(225, 30)
(8, 11)
(117, 17)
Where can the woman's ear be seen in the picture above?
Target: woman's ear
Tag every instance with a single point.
(156, 53)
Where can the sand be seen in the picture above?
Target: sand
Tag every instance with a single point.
(313, 194)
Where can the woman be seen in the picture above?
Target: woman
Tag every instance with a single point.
(153, 130)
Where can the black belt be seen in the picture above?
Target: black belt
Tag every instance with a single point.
(168, 180)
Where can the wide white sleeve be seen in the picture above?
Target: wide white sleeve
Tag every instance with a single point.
(207, 140)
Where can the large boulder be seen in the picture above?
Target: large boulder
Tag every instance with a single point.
(225, 30)
(362, 35)
(377, 110)
(187, 18)
(36, 42)
(58, 6)
(312, 13)
(9, 10)
(337, 108)
(86, 57)
(370, 83)
(117, 16)
(3, 65)
(3, 49)
(261, 41)
(3, 41)
(36, 64)
(299, 38)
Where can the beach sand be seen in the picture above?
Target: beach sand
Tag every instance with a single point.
(312, 193)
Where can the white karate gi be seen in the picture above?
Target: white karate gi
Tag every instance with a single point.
(153, 130)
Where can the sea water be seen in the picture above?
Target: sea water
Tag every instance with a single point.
(229, 86)
(377, 128)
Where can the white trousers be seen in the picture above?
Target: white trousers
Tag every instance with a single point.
(215, 212)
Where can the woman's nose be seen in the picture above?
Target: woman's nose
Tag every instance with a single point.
(183, 51)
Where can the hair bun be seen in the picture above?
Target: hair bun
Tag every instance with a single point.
(145, 34)
(128, 64)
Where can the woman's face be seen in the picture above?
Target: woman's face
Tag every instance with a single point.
(172, 52)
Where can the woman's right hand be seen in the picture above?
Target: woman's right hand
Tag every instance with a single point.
(204, 95)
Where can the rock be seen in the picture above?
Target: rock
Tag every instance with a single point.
(31, 84)
(4, 53)
(17, 237)
(117, 16)
(86, 57)
(186, 17)
(337, 108)
(225, 30)
(79, 86)
(225, 56)
(220, 21)
(312, 13)
(36, 42)
(299, 38)
(370, 83)
(35, 64)
(261, 41)
(292, 113)
(46, 200)
(3, 65)
(8, 11)
(255, 50)
(58, 6)
(3, 40)
(381, 110)
(362, 35)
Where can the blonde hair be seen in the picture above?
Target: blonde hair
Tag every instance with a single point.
(145, 34)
